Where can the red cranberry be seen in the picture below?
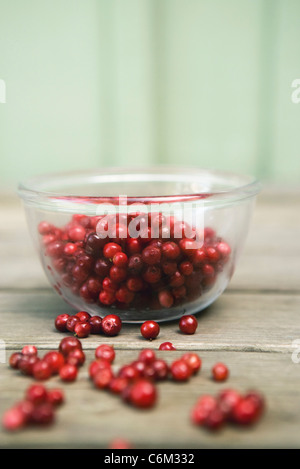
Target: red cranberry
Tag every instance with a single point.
(258, 399)
(150, 329)
(68, 344)
(135, 264)
(215, 419)
(45, 228)
(95, 323)
(179, 292)
(43, 414)
(220, 372)
(124, 295)
(70, 249)
(223, 249)
(107, 298)
(186, 268)
(76, 233)
(55, 360)
(110, 249)
(170, 250)
(134, 246)
(27, 363)
(167, 346)
(143, 394)
(94, 245)
(111, 325)
(147, 355)
(188, 324)
(71, 323)
(83, 316)
(103, 378)
(36, 393)
(130, 372)
(82, 329)
(151, 255)
(68, 372)
(117, 274)
(106, 352)
(26, 408)
(109, 286)
(180, 370)
(176, 280)
(41, 370)
(165, 298)
(204, 406)
(29, 350)
(14, 360)
(13, 419)
(55, 397)
(76, 358)
(120, 259)
(161, 370)
(245, 412)
(228, 399)
(61, 322)
(152, 274)
(193, 360)
(102, 267)
(135, 284)
(118, 384)
(55, 249)
(97, 365)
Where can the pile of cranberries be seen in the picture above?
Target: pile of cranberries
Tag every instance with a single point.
(228, 405)
(38, 407)
(153, 271)
(64, 362)
(82, 324)
(136, 382)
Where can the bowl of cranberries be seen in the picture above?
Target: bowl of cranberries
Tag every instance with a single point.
(155, 243)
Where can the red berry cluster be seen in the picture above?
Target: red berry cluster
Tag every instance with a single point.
(136, 381)
(37, 408)
(63, 362)
(229, 405)
(159, 269)
(82, 324)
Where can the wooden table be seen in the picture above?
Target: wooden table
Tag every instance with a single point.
(251, 327)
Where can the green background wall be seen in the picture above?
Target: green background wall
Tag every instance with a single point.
(93, 83)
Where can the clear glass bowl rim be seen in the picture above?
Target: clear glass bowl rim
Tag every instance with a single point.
(32, 192)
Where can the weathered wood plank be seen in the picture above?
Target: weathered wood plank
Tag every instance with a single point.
(236, 321)
(91, 418)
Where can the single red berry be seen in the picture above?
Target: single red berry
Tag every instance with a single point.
(76, 358)
(82, 329)
(45, 228)
(165, 298)
(26, 364)
(107, 298)
(151, 255)
(147, 356)
(103, 378)
(170, 250)
(117, 274)
(67, 344)
(176, 280)
(143, 394)
(14, 360)
(118, 384)
(204, 406)
(152, 274)
(36, 393)
(215, 419)
(71, 323)
(110, 249)
(84, 316)
(56, 397)
(106, 352)
(29, 350)
(220, 372)
(133, 245)
(188, 324)
(95, 323)
(111, 325)
(68, 372)
(76, 233)
(193, 360)
(102, 267)
(61, 322)
(166, 346)
(97, 365)
(150, 329)
(55, 360)
(124, 295)
(169, 267)
(130, 372)
(180, 370)
(135, 264)
(120, 259)
(258, 400)
(70, 249)
(228, 399)
(161, 369)
(43, 414)
(41, 370)
(13, 419)
(135, 284)
(245, 412)
(26, 408)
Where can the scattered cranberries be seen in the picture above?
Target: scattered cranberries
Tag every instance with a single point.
(188, 324)
(220, 372)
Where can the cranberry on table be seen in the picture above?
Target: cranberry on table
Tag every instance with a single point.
(55, 360)
(220, 372)
(68, 344)
(68, 372)
(41, 370)
(188, 324)
(193, 360)
(147, 356)
(167, 346)
(111, 325)
(102, 378)
(96, 324)
(82, 329)
(150, 330)
(13, 419)
(55, 397)
(180, 370)
(71, 323)
(29, 350)
(83, 316)
(26, 364)
(106, 352)
(14, 360)
(143, 394)
(76, 358)
(43, 414)
(61, 322)
(96, 365)
(36, 393)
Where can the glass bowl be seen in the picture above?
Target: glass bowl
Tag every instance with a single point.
(153, 243)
